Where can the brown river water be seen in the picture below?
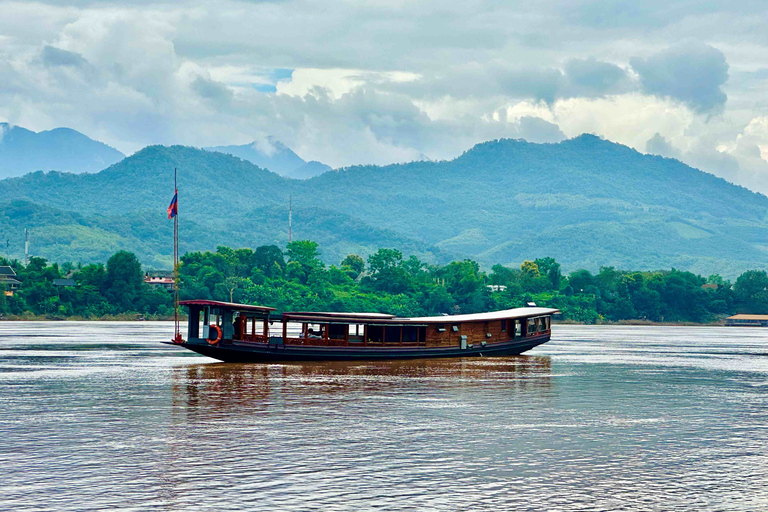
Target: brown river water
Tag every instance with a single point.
(101, 416)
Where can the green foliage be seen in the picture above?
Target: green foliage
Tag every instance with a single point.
(353, 264)
(117, 288)
(751, 289)
(394, 284)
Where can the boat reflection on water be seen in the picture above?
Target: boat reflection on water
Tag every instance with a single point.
(226, 388)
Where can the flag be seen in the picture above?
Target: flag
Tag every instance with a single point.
(173, 208)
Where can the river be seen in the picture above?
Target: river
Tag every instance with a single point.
(102, 416)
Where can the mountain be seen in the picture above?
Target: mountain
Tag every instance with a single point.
(61, 149)
(61, 235)
(269, 154)
(585, 201)
(309, 170)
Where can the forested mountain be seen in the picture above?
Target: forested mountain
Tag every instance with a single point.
(309, 170)
(62, 149)
(585, 201)
(273, 155)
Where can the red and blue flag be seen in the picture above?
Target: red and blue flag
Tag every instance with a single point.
(173, 208)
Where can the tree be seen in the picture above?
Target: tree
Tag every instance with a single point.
(354, 264)
(303, 259)
(530, 269)
(304, 252)
(270, 260)
(580, 279)
(231, 284)
(387, 273)
(751, 291)
(384, 260)
(123, 281)
(551, 269)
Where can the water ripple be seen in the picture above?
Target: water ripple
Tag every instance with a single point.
(101, 416)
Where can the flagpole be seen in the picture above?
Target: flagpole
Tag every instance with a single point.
(177, 333)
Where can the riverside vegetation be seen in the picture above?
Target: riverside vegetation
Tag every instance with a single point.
(388, 282)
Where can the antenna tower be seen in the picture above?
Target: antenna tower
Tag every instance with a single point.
(26, 247)
(290, 219)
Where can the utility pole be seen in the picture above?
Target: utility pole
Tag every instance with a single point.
(290, 219)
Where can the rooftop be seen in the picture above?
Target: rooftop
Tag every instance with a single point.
(747, 317)
(226, 305)
(378, 318)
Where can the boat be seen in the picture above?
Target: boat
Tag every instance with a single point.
(232, 332)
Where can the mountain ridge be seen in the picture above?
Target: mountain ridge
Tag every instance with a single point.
(585, 201)
(23, 151)
(273, 155)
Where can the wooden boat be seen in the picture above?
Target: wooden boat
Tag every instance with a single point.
(244, 333)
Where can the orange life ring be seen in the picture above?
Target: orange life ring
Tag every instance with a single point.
(218, 337)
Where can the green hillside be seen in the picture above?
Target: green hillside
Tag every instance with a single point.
(585, 201)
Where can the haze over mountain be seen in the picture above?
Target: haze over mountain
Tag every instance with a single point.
(585, 201)
(61, 149)
(275, 156)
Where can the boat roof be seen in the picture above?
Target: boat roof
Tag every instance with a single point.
(336, 314)
(225, 305)
(490, 316)
(378, 318)
(742, 316)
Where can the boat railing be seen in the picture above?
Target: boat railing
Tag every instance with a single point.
(340, 342)
(253, 338)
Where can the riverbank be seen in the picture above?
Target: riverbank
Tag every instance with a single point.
(135, 317)
(124, 317)
(641, 322)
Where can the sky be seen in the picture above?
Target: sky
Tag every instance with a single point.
(392, 81)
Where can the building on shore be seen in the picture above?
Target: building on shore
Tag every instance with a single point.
(8, 282)
(742, 320)
(159, 279)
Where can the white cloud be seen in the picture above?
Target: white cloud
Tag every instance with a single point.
(377, 82)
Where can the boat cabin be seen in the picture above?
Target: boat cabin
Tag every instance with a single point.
(241, 322)
(245, 332)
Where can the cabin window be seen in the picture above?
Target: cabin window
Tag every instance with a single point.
(440, 327)
(375, 334)
(313, 331)
(338, 331)
(518, 328)
(531, 325)
(410, 334)
(455, 328)
(392, 335)
(504, 326)
(355, 333)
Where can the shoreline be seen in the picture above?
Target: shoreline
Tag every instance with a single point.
(131, 317)
(106, 318)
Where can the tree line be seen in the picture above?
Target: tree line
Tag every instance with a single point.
(298, 280)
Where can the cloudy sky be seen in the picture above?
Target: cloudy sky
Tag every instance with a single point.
(389, 80)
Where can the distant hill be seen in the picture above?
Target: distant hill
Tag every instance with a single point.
(275, 156)
(585, 201)
(61, 149)
(60, 235)
(309, 170)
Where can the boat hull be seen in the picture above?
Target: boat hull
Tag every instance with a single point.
(264, 353)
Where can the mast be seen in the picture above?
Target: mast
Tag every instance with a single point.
(290, 219)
